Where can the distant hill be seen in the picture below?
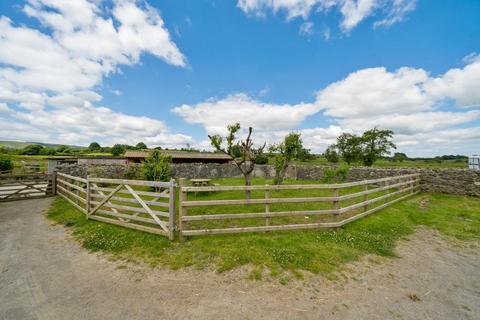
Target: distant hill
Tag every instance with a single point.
(22, 144)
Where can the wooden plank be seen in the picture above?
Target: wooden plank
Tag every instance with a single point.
(171, 210)
(73, 186)
(132, 182)
(256, 201)
(128, 208)
(182, 212)
(126, 216)
(61, 174)
(54, 182)
(30, 197)
(267, 206)
(130, 200)
(129, 225)
(72, 194)
(290, 187)
(261, 228)
(59, 192)
(142, 193)
(259, 215)
(336, 204)
(37, 186)
(149, 211)
(20, 188)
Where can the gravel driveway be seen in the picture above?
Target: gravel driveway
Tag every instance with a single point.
(46, 275)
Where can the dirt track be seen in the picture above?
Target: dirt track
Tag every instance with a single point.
(45, 275)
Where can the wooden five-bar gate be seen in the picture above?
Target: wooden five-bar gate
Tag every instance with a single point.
(142, 205)
(26, 186)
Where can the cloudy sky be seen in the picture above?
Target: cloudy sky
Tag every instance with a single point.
(170, 72)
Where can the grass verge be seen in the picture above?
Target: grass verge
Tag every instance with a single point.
(317, 251)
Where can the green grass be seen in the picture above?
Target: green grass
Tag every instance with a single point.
(281, 254)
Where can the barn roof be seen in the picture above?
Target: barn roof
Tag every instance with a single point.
(178, 154)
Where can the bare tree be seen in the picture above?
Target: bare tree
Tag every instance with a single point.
(248, 154)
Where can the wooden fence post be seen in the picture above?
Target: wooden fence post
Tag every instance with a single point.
(335, 202)
(54, 183)
(365, 197)
(88, 197)
(182, 196)
(171, 210)
(267, 205)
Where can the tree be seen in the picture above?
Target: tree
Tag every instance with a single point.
(286, 151)
(48, 151)
(349, 147)
(331, 154)
(156, 167)
(248, 154)
(304, 155)
(94, 146)
(236, 151)
(32, 149)
(141, 146)
(118, 149)
(375, 144)
(399, 156)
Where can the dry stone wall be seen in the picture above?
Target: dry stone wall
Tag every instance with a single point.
(452, 181)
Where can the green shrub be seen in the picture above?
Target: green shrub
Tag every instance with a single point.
(157, 167)
(262, 159)
(6, 164)
(337, 174)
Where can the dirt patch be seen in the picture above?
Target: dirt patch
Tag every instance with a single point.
(44, 275)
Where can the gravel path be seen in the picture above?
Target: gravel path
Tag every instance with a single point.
(46, 275)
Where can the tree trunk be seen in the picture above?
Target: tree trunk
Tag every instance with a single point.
(248, 182)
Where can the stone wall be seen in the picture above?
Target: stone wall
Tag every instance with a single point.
(452, 181)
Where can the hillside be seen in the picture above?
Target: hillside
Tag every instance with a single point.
(23, 144)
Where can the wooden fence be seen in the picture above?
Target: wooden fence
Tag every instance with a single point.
(128, 203)
(26, 186)
(361, 198)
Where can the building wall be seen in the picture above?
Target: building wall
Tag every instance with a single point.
(452, 181)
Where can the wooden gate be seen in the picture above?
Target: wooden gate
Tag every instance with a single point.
(26, 186)
(142, 205)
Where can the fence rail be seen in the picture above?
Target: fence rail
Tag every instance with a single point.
(395, 189)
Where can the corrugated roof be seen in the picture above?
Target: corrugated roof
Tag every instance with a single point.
(177, 154)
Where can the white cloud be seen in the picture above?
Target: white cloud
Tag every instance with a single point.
(306, 28)
(4, 108)
(51, 77)
(461, 85)
(353, 11)
(215, 115)
(412, 123)
(396, 13)
(375, 90)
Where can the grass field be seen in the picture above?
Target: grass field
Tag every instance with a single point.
(281, 254)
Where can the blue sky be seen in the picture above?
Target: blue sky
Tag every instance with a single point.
(169, 72)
